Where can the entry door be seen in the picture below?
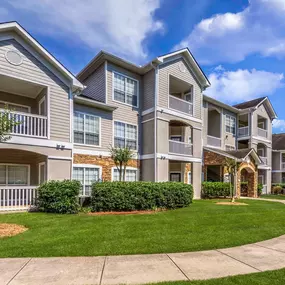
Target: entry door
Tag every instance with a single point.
(175, 177)
(42, 172)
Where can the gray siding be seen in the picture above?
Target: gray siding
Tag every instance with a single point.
(261, 111)
(148, 90)
(106, 127)
(172, 68)
(276, 160)
(96, 84)
(33, 69)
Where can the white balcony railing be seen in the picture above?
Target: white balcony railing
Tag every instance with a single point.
(180, 105)
(177, 147)
(243, 131)
(262, 133)
(29, 125)
(214, 141)
(263, 160)
(14, 198)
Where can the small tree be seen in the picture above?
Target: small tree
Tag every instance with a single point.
(231, 166)
(7, 122)
(121, 157)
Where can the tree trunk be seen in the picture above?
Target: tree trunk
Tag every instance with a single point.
(120, 171)
(124, 173)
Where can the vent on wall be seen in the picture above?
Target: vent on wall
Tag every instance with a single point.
(14, 57)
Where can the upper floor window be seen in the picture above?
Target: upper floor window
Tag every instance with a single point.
(86, 129)
(125, 135)
(125, 90)
(230, 124)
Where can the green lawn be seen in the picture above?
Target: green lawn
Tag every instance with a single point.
(203, 225)
(276, 277)
(271, 196)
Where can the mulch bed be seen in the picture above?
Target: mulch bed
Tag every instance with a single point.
(232, 203)
(126, 213)
(9, 230)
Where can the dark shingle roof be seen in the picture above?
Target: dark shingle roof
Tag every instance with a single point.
(278, 141)
(249, 104)
(239, 153)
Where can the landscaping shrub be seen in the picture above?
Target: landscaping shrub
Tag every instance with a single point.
(129, 196)
(59, 196)
(259, 189)
(216, 189)
(277, 190)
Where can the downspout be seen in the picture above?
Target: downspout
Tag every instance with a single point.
(155, 120)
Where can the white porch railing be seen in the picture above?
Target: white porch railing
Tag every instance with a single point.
(243, 131)
(180, 147)
(262, 133)
(214, 141)
(263, 160)
(180, 105)
(29, 125)
(17, 197)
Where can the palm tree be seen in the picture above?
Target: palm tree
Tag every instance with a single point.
(121, 157)
(231, 166)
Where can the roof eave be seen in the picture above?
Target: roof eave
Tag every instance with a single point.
(93, 103)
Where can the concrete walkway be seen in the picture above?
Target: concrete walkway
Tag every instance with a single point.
(139, 269)
(265, 199)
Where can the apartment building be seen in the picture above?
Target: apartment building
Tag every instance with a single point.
(278, 158)
(68, 124)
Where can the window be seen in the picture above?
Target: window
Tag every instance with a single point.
(125, 90)
(230, 147)
(189, 177)
(86, 129)
(125, 135)
(86, 176)
(176, 138)
(131, 174)
(189, 96)
(14, 174)
(15, 107)
(230, 124)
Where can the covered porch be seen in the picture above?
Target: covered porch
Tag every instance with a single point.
(180, 171)
(20, 174)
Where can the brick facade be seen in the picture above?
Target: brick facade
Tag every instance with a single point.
(105, 162)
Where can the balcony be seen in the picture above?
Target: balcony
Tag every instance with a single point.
(29, 125)
(180, 105)
(263, 160)
(243, 131)
(214, 141)
(262, 132)
(177, 147)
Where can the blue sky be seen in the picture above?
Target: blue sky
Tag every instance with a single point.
(240, 44)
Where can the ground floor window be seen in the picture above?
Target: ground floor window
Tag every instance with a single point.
(175, 177)
(131, 175)
(189, 177)
(14, 174)
(86, 176)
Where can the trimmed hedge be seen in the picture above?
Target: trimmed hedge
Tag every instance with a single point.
(259, 189)
(129, 196)
(59, 196)
(215, 189)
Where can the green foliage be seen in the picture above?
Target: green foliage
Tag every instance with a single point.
(259, 189)
(277, 189)
(7, 122)
(216, 189)
(121, 157)
(128, 196)
(59, 196)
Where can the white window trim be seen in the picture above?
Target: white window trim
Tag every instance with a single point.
(189, 182)
(261, 175)
(14, 164)
(232, 117)
(113, 89)
(39, 169)
(87, 166)
(43, 100)
(123, 122)
(100, 131)
(127, 168)
(20, 105)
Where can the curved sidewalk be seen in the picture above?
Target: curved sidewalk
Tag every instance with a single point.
(139, 269)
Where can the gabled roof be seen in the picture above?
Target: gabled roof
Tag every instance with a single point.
(278, 141)
(249, 104)
(221, 104)
(239, 154)
(102, 56)
(20, 31)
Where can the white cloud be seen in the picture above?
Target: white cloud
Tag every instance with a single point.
(117, 26)
(279, 124)
(242, 84)
(231, 37)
